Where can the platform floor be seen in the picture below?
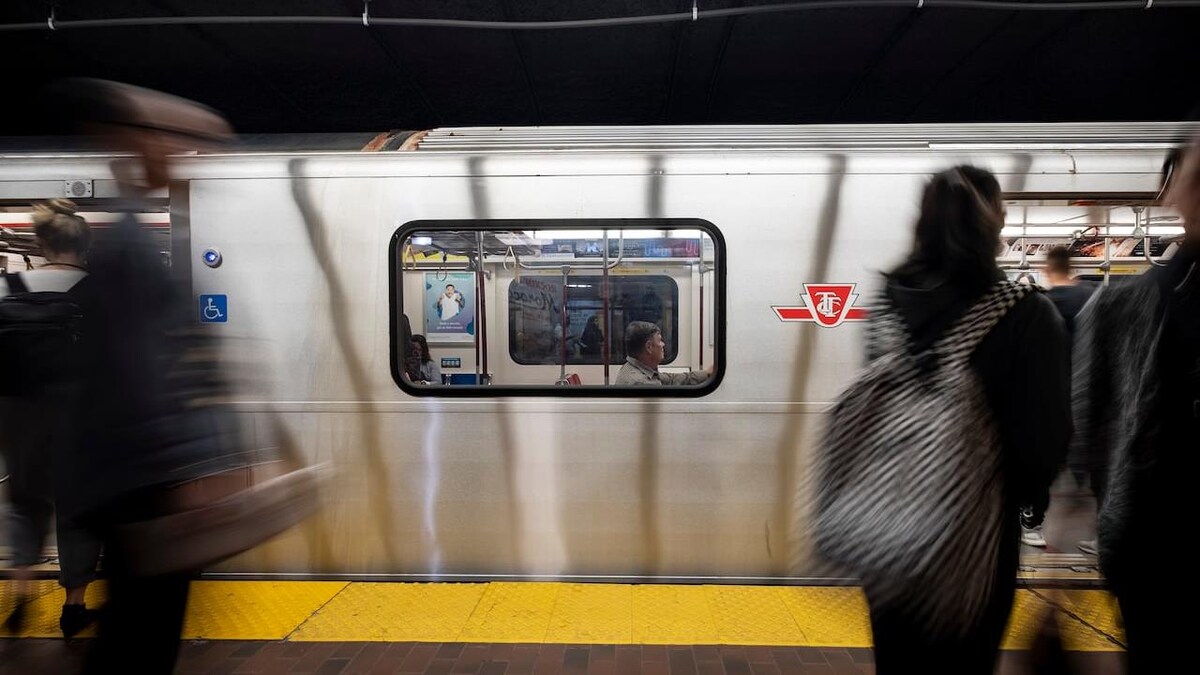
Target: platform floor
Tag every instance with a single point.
(504, 628)
(38, 657)
(572, 614)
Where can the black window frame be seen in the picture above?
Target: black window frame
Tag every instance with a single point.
(396, 309)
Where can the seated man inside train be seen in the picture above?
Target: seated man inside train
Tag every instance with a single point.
(646, 350)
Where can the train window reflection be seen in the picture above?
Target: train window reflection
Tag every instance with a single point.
(553, 307)
(535, 308)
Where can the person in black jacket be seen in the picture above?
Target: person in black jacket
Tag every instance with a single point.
(1069, 295)
(1136, 396)
(1023, 365)
(141, 428)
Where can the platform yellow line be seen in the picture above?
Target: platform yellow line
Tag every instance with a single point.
(565, 613)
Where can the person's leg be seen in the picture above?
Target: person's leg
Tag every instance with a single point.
(78, 555)
(141, 622)
(140, 625)
(898, 647)
(1152, 631)
(1032, 519)
(30, 510)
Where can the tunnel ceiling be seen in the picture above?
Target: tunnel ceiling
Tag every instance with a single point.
(838, 65)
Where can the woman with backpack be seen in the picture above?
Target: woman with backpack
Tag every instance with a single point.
(39, 395)
(961, 416)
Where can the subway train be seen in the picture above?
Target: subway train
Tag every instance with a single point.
(522, 254)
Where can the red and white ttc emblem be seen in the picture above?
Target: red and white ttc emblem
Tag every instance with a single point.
(827, 304)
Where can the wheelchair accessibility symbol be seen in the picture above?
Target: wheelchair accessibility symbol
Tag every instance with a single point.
(214, 309)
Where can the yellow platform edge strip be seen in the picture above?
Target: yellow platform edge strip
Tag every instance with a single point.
(567, 613)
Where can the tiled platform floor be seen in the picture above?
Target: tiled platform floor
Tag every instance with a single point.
(37, 657)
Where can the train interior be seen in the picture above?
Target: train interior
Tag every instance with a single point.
(547, 303)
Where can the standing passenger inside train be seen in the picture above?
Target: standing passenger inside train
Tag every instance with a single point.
(939, 556)
(1136, 393)
(1069, 295)
(646, 350)
(41, 395)
(592, 340)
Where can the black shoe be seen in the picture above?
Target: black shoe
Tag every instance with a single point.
(75, 618)
(16, 621)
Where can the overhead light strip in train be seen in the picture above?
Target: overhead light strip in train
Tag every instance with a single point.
(1052, 146)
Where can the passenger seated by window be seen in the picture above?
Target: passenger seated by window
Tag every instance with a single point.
(426, 370)
(646, 350)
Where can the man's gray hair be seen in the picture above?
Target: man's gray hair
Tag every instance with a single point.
(637, 334)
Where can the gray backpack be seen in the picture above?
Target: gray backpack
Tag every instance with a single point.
(910, 492)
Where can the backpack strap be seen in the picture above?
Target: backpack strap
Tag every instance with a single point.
(16, 283)
(957, 345)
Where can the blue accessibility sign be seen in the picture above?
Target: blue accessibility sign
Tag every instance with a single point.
(214, 308)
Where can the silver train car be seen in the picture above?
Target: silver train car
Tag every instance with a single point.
(757, 249)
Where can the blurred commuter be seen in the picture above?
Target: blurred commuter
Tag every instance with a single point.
(1069, 295)
(961, 417)
(38, 328)
(1136, 392)
(428, 371)
(646, 349)
(146, 427)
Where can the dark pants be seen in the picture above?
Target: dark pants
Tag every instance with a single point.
(35, 437)
(901, 647)
(1035, 514)
(140, 624)
(1154, 631)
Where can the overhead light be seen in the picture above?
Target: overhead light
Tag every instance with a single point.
(422, 241)
(572, 234)
(1050, 146)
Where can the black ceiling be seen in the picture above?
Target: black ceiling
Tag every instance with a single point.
(847, 65)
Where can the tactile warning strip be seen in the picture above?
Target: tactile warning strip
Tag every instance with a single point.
(43, 612)
(254, 610)
(651, 614)
(385, 612)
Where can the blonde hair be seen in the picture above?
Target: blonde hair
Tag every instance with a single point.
(59, 229)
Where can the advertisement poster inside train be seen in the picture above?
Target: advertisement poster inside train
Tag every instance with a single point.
(535, 319)
(449, 306)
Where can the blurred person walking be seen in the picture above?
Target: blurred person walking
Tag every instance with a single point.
(1136, 397)
(961, 417)
(141, 431)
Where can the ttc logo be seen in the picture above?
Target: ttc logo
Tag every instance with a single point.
(827, 304)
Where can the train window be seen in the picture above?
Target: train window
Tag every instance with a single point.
(1110, 237)
(543, 307)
